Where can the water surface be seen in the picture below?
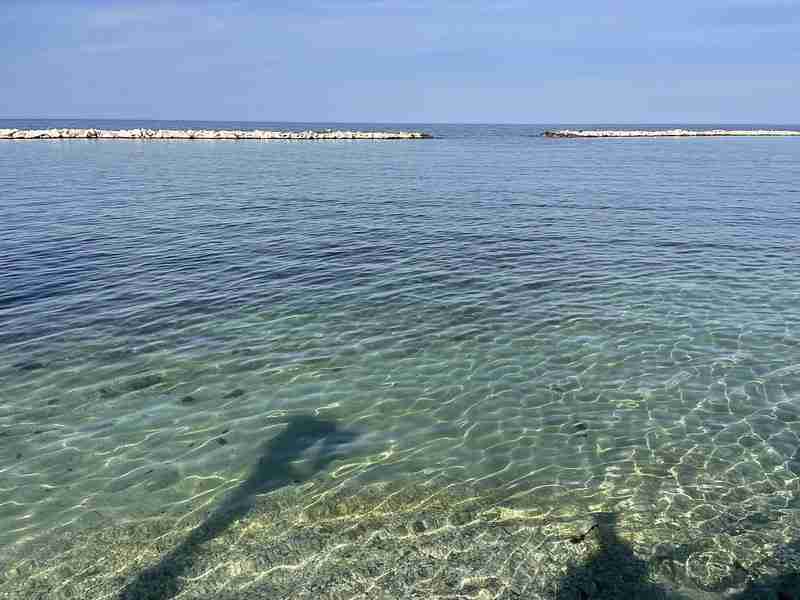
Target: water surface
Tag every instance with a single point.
(564, 327)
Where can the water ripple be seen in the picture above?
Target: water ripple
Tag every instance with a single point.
(539, 333)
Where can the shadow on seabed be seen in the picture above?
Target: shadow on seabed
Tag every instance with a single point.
(781, 586)
(273, 470)
(614, 572)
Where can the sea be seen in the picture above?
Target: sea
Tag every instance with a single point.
(483, 365)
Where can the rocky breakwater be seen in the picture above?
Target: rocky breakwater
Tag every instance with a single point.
(204, 134)
(625, 133)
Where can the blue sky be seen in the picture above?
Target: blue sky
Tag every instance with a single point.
(505, 61)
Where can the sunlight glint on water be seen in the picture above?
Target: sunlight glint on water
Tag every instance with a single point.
(567, 326)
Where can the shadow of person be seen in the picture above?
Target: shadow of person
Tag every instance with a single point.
(273, 470)
(785, 585)
(612, 571)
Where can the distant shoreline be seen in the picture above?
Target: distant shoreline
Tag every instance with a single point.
(624, 133)
(204, 134)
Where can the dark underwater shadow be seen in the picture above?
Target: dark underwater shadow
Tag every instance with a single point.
(781, 586)
(272, 471)
(612, 572)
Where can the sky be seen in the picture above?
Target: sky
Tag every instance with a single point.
(447, 61)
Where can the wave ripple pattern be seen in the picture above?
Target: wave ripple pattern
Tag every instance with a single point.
(486, 366)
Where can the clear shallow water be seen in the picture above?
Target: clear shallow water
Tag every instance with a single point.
(566, 327)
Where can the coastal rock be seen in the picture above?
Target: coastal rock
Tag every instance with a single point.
(624, 133)
(206, 134)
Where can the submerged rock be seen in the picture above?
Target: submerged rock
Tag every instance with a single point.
(384, 541)
(29, 365)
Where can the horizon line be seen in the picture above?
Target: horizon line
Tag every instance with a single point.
(509, 123)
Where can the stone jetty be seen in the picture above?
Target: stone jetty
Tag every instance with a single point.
(204, 134)
(624, 133)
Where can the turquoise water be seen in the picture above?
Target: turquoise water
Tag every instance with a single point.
(567, 327)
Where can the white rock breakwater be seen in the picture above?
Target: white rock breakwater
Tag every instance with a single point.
(611, 133)
(204, 134)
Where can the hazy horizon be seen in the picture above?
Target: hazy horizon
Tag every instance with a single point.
(476, 123)
(390, 62)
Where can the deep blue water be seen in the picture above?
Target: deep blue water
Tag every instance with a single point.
(574, 324)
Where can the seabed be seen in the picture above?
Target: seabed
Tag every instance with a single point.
(393, 542)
